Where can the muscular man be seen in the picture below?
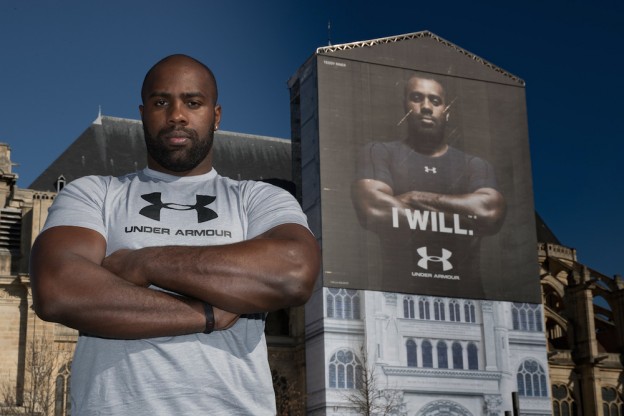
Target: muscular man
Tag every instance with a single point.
(429, 202)
(168, 272)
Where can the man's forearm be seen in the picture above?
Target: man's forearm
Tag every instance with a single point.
(71, 288)
(485, 207)
(258, 275)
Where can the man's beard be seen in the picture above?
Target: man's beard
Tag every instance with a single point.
(183, 159)
(426, 139)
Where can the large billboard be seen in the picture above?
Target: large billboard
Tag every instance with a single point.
(425, 175)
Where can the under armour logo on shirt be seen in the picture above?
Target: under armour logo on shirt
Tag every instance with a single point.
(153, 211)
(430, 170)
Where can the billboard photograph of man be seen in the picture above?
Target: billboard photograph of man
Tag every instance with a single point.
(430, 203)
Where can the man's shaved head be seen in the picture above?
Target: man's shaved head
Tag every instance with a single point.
(179, 59)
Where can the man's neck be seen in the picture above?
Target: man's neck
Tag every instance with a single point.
(427, 146)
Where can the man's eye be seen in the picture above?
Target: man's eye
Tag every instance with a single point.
(193, 104)
(416, 97)
(160, 103)
(436, 101)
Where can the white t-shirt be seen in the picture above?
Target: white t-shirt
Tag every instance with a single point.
(222, 373)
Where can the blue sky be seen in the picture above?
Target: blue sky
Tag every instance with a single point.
(61, 60)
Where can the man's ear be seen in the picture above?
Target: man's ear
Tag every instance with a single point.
(217, 116)
(141, 110)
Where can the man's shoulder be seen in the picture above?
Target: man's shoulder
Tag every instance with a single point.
(456, 153)
(390, 147)
(89, 182)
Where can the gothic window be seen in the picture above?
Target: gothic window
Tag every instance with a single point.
(442, 354)
(343, 303)
(469, 312)
(473, 356)
(563, 401)
(612, 404)
(423, 308)
(438, 309)
(427, 352)
(454, 311)
(62, 404)
(531, 379)
(345, 370)
(412, 360)
(458, 357)
(408, 307)
(526, 317)
(60, 183)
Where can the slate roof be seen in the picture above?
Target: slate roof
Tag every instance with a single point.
(114, 146)
(544, 234)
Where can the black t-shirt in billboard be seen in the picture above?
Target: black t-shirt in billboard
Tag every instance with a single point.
(440, 247)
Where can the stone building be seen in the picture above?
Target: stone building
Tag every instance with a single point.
(584, 324)
(582, 309)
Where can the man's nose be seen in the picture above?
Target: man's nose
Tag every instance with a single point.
(177, 113)
(426, 107)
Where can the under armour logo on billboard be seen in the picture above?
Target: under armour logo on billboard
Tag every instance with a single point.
(430, 170)
(153, 211)
(444, 259)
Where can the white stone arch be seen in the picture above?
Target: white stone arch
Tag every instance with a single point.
(444, 408)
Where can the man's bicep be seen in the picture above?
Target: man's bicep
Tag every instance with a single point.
(56, 243)
(62, 259)
(366, 192)
(289, 231)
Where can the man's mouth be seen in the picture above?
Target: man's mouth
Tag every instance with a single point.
(426, 120)
(176, 140)
(176, 137)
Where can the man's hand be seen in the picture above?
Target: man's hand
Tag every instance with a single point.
(224, 319)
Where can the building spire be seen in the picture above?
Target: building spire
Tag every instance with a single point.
(98, 120)
(329, 33)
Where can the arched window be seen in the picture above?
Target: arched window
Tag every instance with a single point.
(345, 370)
(563, 401)
(469, 312)
(454, 311)
(408, 307)
(442, 354)
(412, 358)
(612, 404)
(427, 352)
(423, 308)
(62, 403)
(458, 357)
(438, 309)
(526, 317)
(60, 183)
(531, 379)
(473, 356)
(343, 303)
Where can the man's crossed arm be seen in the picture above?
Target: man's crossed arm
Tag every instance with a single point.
(374, 200)
(75, 285)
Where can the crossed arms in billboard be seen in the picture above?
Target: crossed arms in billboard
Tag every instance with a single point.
(422, 175)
